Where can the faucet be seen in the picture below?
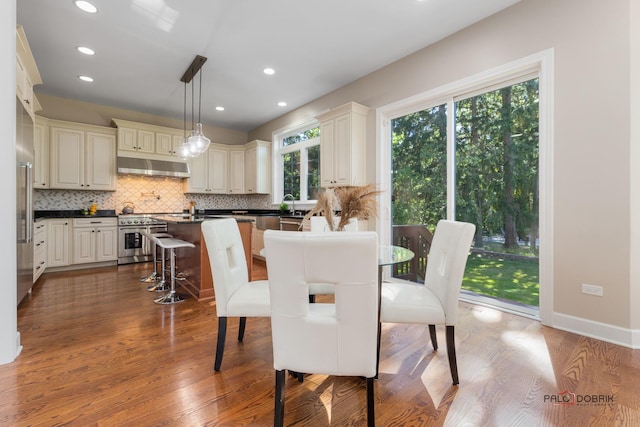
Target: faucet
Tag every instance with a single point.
(293, 203)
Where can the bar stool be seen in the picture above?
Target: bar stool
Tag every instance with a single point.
(155, 276)
(171, 244)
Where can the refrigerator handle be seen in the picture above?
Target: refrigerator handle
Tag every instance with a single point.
(28, 201)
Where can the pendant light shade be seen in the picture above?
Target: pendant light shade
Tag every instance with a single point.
(197, 143)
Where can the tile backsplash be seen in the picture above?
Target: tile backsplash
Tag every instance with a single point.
(148, 195)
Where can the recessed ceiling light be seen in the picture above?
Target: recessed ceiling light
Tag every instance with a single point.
(269, 71)
(86, 6)
(86, 78)
(86, 50)
(220, 108)
(282, 104)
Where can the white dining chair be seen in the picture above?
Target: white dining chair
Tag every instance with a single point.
(435, 302)
(235, 295)
(320, 338)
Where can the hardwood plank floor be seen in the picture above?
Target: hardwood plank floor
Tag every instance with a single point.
(98, 351)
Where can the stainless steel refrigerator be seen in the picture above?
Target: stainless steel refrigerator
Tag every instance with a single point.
(24, 199)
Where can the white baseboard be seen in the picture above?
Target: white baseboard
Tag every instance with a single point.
(602, 331)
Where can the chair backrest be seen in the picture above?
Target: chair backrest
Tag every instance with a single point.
(331, 339)
(227, 259)
(446, 263)
(319, 223)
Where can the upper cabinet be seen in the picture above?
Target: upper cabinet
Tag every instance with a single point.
(208, 172)
(232, 169)
(142, 140)
(82, 157)
(41, 151)
(257, 167)
(27, 74)
(236, 169)
(343, 146)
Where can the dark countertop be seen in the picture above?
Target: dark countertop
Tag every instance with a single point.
(77, 213)
(196, 219)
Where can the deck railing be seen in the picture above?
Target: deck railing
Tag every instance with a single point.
(418, 239)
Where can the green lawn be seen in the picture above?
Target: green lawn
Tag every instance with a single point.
(510, 279)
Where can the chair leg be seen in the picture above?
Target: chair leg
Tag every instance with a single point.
(434, 338)
(243, 323)
(278, 414)
(312, 299)
(371, 415)
(222, 334)
(451, 352)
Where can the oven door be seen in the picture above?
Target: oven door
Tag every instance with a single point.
(132, 245)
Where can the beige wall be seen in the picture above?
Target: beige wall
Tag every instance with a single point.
(72, 110)
(591, 130)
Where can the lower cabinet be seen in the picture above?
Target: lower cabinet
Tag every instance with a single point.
(95, 240)
(58, 239)
(39, 249)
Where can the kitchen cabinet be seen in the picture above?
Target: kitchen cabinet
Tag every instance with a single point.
(343, 146)
(41, 153)
(58, 242)
(39, 249)
(147, 141)
(168, 143)
(135, 141)
(27, 74)
(257, 167)
(208, 172)
(95, 240)
(82, 157)
(236, 169)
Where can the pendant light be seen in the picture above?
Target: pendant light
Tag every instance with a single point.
(197, 143)
(184, 150)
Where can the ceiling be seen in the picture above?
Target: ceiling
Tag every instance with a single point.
(143, 47)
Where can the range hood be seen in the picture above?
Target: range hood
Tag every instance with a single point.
(132, 165)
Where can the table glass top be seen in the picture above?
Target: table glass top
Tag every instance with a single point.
(389, 255)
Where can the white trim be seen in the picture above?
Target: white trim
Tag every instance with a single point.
(540, 63)
(601, 331)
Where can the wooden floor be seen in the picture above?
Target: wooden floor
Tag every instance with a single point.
(98, 351)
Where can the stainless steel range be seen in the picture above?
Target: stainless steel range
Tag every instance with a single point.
(132, 245)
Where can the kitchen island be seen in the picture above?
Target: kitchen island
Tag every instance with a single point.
(193, 263)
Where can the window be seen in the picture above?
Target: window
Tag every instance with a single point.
(297, 165)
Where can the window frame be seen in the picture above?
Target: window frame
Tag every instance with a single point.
(541, 64)
(277, 164)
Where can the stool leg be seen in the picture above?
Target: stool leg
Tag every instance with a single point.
(153, 277)
(162, 285)
(172, 297)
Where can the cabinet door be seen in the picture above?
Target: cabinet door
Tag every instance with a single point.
(58, 242)
(342, 151)
(127, 139)
(67, 158)
(164, 144)
(146, 141)
(250, 172)
(197, 182)
(100, 170)
(106, 244)
(236, 172)
(84, 245)
(327, 153)
(41, 159)
(217, 169)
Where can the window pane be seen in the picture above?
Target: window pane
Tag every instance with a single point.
(313, 172)
(301, 136)
(419, 167)
(291, 171)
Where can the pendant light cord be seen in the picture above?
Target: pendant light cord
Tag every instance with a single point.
(200, 97)
(184, 119)
(193, 123)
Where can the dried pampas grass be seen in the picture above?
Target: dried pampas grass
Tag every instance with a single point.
(352, 202)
